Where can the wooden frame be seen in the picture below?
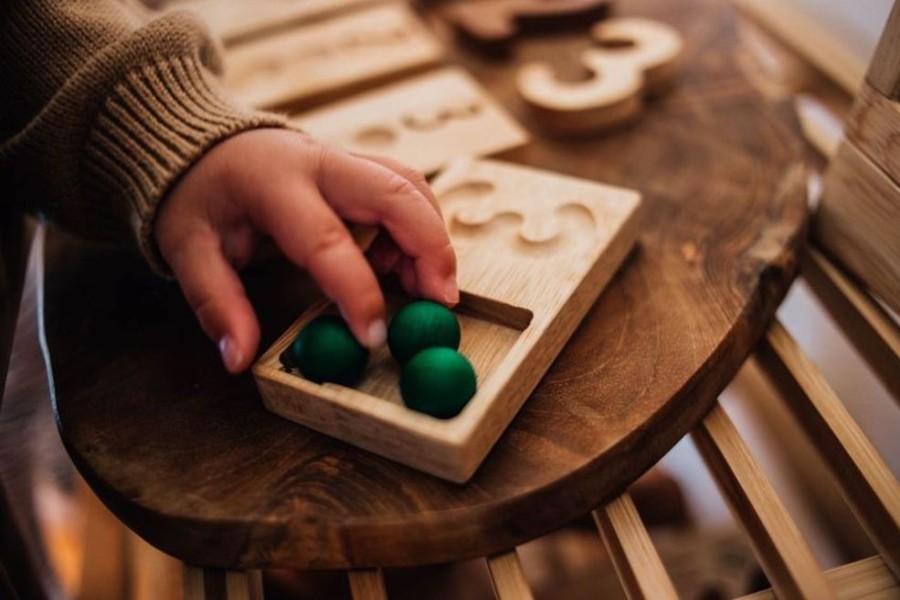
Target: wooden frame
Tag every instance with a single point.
(517, 311)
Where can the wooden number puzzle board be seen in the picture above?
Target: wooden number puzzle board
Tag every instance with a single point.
(235, 20)
(317, 61)
(535, 250)
(424, 122)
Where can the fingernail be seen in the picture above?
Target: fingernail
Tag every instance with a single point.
(451, 291)
(231, 354)
(377, 333)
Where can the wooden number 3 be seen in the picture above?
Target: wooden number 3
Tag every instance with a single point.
(633, 57)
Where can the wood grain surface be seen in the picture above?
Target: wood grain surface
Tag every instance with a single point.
(189, 457)
(634, 58)
(874, 128)
(857, 222)
(323, 61)
(884, 73)
(423, 121)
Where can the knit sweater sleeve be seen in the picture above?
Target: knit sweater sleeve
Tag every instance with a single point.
(102, 107)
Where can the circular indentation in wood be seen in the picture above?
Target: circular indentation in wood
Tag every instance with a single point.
(614, 42)
(375, 136)
(471, 190)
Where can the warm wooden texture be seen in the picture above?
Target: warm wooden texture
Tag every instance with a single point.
(507, 577)
(367, 584)
(219, 584)
(867, 579)
(105, 556)
(424, 122)
(192, 461)
(884, 70)
(865, 323)
(858, 220)
(152, 575)
(314, 62)
(491, 25)
(634, 57)
(637, 563)
(784, 555)
(868, 484)
(534, 250)
(874, 128)
(800, 31)
(823, 129)
(236, 20)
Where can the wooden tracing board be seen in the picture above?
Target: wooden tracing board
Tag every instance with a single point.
(535, 249)
(318, 61)
(424, 122)
(235, 20)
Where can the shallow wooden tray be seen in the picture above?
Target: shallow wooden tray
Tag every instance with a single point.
(535, 250)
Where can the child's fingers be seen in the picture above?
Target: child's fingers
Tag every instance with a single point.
(215, 293)
(313, 236)
(367, 192)
(384, 255)
(414, 177)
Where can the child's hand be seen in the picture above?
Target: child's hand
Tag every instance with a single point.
(296, 190)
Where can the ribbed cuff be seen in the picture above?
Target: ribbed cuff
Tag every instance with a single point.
(158, 121)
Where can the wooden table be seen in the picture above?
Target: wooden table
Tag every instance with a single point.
(188, 457)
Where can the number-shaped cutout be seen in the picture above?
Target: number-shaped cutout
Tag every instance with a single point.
(632, 57)
(383, 136)
(425, 122)
(472, 211)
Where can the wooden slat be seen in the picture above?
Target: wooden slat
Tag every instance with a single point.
(868, 327)
(874, 127)
(194, 588)
(237, 585)
(782, 552)
(507, 577)
(103, 572)
(367, 584)
(796, 28)
(255, 582)
(218, 584)
(858, 220)
(868, 578)
(632, 552)
(152, 574)
(884, 70)
(871, 490)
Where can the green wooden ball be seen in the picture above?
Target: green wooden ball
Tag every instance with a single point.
(419, 325)
(438, 382)
(325, 350)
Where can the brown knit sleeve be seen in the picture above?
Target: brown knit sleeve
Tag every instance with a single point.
(103, 109)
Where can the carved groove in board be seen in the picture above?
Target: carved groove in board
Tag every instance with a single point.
(472, 211)
(425, 122)
(567, 226)
(322, 60)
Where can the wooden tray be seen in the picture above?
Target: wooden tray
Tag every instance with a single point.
(535, 250)
(424, 122)
(317, 62)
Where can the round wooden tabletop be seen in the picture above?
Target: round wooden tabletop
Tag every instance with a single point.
(188, 457)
